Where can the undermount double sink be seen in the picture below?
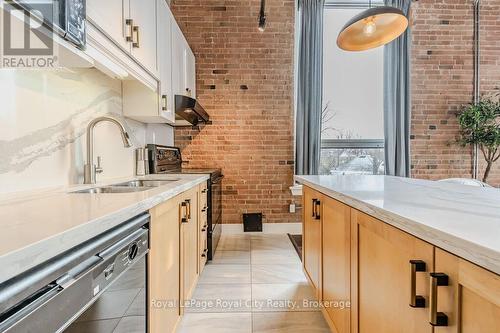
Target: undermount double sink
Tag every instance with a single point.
(130, 186)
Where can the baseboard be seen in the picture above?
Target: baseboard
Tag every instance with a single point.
(268, 228)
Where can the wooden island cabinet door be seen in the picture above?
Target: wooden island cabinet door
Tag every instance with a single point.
(470, 300)
(311, 240)
(164, 267)
(387, 266)
(336, 291)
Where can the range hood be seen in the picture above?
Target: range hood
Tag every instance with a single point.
(188, 112)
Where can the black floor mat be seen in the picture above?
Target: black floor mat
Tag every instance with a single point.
(297, 243)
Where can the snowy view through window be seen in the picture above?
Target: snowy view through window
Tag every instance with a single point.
(352, 121)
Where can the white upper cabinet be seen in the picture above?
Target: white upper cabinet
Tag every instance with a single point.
(144, 38)
(110, 16)
(131, 24)
(178, 61)
(190, 72)
(183, 64)
(140, 43)
(139, 102)
(165, 19)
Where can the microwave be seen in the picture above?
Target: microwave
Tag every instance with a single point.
(67, 18)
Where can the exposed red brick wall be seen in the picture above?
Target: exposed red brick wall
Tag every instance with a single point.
(442, 82)
(245, 81)
(442, 77)
(490, 64)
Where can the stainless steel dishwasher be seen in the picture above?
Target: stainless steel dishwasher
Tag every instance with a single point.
(96, 287)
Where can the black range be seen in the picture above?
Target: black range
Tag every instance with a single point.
(167, 159)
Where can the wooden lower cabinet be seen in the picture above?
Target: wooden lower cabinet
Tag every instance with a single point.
(164, 267)
(189, 243)
(381, 256)
(392, 278)
(336, 274)
(471, 300)
(311, 237)
(173, 259)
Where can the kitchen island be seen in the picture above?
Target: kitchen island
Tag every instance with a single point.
(407, 254)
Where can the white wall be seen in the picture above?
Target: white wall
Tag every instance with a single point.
(43, 118)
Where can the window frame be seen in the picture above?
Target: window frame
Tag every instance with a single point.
(352, 4)
(352, 143)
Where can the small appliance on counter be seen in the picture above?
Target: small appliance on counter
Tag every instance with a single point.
(141, 162)
(167, 159)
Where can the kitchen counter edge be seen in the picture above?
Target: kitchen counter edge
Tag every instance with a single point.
(18, 261)
(472, 251)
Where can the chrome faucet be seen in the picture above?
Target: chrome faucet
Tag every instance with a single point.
(90, 168)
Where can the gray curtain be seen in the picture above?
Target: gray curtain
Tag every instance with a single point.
(397, 100)
(310, 87)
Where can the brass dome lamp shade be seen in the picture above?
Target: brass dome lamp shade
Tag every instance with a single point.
(372, 28)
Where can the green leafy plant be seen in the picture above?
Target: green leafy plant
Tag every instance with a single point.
(479, 125)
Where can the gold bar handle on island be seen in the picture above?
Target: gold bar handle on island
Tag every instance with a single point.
(314, 207)
(416, 301)
(437, 318)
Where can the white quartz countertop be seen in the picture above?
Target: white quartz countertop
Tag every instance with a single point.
(37, 227)
(460, 219)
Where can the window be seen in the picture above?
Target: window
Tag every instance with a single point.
(352, 133)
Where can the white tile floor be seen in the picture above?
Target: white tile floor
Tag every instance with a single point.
(254, 284)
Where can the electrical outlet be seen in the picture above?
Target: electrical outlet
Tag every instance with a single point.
(292, 208)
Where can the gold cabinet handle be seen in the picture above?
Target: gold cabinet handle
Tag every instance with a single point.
(184, 218)
(437, 318)
(188, 211)
(130, 25)
(136, 41)
(416, 301)
(164, 102)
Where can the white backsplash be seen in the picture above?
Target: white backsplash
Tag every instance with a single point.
(43, 119)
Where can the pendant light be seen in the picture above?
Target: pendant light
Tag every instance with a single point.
(262, 16)
(372, 28)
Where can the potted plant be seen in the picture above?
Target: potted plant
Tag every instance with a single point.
(479, 125)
